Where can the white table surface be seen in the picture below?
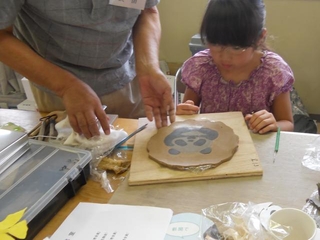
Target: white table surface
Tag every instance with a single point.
(286, 182)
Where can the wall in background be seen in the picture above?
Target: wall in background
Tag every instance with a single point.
(293, 32)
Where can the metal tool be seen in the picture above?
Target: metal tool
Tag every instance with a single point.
(130, 136)
(118, 145)
(47, 127)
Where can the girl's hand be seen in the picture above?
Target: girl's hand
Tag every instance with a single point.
(261, 122)
(187, 108)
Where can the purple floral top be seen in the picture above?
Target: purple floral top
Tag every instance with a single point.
(272, 77)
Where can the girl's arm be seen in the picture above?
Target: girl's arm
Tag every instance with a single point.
(282, 112)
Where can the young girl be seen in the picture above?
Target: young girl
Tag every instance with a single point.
(237, 72)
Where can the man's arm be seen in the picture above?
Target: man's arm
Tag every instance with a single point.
(81, 103)
(24, 60)
(155, 89)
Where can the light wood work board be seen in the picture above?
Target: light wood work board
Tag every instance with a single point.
(245, 161)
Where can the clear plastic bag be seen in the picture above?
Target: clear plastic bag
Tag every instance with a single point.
(100, 147)
(312, 207)
(105, 151)
(117, 161)
(239, 221)
(311, 158)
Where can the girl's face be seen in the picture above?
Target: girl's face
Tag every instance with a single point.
(231, 58)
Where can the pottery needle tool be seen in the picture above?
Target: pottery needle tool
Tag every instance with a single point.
(119, 144)
(130, 135)
(276, 146)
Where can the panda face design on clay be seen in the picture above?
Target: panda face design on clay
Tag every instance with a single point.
(190, 140)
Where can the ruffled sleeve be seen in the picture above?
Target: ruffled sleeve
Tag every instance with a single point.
(282, 76)
(195, 70)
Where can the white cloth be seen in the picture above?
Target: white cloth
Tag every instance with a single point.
(102, 142)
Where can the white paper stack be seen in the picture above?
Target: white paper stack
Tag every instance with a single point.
(92, 221)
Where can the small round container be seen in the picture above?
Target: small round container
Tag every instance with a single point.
(297, 223)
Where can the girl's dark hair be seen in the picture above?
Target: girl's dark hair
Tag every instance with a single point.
(233, 22)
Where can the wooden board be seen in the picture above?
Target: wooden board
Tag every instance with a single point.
(245, 161)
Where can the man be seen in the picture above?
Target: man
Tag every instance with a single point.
(81, 54)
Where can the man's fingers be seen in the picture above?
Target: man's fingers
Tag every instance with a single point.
(103, 120)
(157, 117)
(74, 123)
(164, 115)
(149, 112)
(172, 115)
(84, 124)
(89, 125)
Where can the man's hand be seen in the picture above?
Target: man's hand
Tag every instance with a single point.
(85, 110)
(157, 98)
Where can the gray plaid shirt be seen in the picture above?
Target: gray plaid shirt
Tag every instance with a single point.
(90, 38)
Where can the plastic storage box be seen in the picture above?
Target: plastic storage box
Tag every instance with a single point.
(42, 180)
(13, 145)
(195, 44)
